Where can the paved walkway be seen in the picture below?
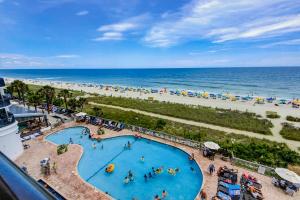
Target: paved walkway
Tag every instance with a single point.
(275, 130)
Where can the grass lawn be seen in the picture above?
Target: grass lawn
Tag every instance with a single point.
(222, 117)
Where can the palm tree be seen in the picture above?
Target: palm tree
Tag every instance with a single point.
(21, 89)
(97, 111)
(73, 104)
(15, 85)
(48, 92)
(10, 90)
(81, 102)
(24, 89)
(65, 94)
(34, 99)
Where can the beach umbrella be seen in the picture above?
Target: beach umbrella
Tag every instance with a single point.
(296, 102)
(205, 95)
(288, 175)
(212, 145)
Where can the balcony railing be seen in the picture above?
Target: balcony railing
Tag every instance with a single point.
(6, 120)
(4, 101)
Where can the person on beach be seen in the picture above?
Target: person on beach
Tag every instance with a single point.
(211, 168)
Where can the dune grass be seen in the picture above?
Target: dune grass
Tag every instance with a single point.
(290, 132)
(252, 149)
(221, 117)
(292, 119)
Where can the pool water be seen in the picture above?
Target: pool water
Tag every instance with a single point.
(184, 185)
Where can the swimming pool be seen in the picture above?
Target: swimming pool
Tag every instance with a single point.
(184, 185)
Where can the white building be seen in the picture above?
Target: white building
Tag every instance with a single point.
(10, 141)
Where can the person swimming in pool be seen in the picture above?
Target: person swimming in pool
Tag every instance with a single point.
(142, 159)
(150, 175)
(153, 170)
(94, 145)
(129, 145)
(71, 141)
(126, 180)
(164, 194)
(130, 175)
(145, 177)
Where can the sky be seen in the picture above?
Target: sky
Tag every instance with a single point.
(149, 34)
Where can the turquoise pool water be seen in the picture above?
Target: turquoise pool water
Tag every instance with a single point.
(184, 185)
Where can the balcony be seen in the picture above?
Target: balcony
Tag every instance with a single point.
(2, 83)
(4, 101)
(16, 184)
(6, 119)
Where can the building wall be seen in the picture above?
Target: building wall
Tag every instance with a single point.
(10, 141)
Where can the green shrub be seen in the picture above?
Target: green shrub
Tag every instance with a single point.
(222, 117)
(292, 119)
(62, 149)
(244, 147)
(100, 131)
(290, 132)
(272, 115)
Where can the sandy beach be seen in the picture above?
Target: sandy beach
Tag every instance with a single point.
(283, 109)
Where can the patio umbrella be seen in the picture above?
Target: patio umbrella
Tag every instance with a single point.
(288, 175)
(212, 145)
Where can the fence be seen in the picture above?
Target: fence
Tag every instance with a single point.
(262, 169)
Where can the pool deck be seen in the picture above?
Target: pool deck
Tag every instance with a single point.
(70, 185)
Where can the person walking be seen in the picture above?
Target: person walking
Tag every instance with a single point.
(211, 168)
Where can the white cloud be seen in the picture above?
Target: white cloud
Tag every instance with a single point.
(21, 60)
(67, 56)
(110, 36)
(82, 13)
(118, 27)
(282, 43)
(116, 31)
(225, 20)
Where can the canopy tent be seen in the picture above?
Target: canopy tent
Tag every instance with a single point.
(211, 145)
(81, 114)
(288, 175)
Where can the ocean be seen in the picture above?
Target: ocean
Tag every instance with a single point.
(280, 82)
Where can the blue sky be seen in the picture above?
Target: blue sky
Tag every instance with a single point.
(156, 33)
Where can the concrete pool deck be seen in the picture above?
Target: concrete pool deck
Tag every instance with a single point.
(70, 185)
